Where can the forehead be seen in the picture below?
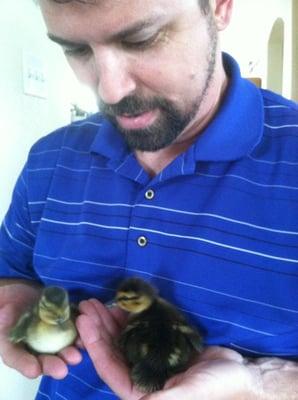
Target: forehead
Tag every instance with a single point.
(106, 16)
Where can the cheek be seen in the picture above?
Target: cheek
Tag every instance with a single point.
(157, 78)
(178, 85)
(172, 74)
(192, 77)
(84, 72)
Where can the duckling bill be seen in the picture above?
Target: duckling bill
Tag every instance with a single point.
(48, 327)
(157, 342)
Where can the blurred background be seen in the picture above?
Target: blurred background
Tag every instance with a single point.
(39, 92)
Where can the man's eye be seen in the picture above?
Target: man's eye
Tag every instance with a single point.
(142, 44)
(76, 51)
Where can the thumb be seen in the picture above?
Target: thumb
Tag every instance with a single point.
(106, 360)
(7, 316)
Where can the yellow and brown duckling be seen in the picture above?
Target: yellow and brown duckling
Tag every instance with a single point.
(48, 327)
(157, 341)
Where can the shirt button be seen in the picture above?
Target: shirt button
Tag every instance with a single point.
(149, 194)
(142, 241)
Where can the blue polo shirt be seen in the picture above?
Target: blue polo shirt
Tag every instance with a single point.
(216, 231)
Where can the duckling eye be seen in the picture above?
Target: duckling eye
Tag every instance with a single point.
(127, 298)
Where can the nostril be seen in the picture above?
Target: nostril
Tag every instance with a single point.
(114, 85)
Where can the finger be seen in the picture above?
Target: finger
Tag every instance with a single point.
(216, 352)
(8, 317)
(71, 355)
(53, 366)
(120, 316)
(85, 307)
(90, 313)
(98, 312)
(107, 316)
(14, 356)
(107, 362)
(79, 344)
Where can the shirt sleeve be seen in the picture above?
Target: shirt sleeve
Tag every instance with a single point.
(17, 236)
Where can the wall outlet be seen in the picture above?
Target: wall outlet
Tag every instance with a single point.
(34, 76)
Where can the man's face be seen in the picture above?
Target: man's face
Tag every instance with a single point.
(150, 63)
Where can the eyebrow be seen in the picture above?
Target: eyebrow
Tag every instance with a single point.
(118, 36)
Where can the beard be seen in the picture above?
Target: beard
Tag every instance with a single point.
(171, 121)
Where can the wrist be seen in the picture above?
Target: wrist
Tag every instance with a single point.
(277, 379)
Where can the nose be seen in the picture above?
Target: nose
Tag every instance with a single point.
(114, 76)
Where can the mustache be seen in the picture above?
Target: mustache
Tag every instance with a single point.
(133, 105)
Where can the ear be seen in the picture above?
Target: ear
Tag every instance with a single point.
(222, 11)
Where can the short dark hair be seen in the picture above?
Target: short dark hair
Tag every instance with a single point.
(204, 4)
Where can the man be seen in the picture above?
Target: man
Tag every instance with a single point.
(188, 179)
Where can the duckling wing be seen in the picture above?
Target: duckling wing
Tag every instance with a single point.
(180, 325)
(19, 331)
(132, 339)
(191, 334)
(156, 349)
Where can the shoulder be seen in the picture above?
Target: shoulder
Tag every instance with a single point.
(274, 99)
(278, 109)
(279, 144)
(64, 149)
(78, 136)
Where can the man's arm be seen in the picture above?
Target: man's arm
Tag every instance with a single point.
(279, 378)
(20, 286)
(218, 373)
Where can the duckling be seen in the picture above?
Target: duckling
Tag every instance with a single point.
(157, 341)
(48, 327)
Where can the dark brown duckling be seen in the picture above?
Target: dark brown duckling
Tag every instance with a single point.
(157, 341)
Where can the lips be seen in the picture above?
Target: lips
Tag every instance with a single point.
(140, 121)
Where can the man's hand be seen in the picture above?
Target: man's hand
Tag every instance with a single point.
(100, 327)
(14, 299)
(218, 373)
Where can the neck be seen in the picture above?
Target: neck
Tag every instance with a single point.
(155, 162)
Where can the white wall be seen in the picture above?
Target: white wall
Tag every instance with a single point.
(14, 386)
(24, 119)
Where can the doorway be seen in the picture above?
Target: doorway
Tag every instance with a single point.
(276, 57)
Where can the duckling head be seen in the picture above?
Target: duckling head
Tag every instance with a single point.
(53, 307)
(135, 295)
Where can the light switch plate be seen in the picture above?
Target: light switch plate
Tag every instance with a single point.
(34, 76)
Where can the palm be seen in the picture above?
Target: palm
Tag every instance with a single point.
(218, 373)
(15, 356)
(215, 369)
(98, 328)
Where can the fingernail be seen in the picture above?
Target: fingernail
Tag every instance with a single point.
(110, 304)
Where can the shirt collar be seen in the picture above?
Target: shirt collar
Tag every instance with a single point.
(237, 126)
(109, 142)
(234, 131)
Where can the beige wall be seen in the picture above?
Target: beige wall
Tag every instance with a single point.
(275, 57)
(248, 35)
